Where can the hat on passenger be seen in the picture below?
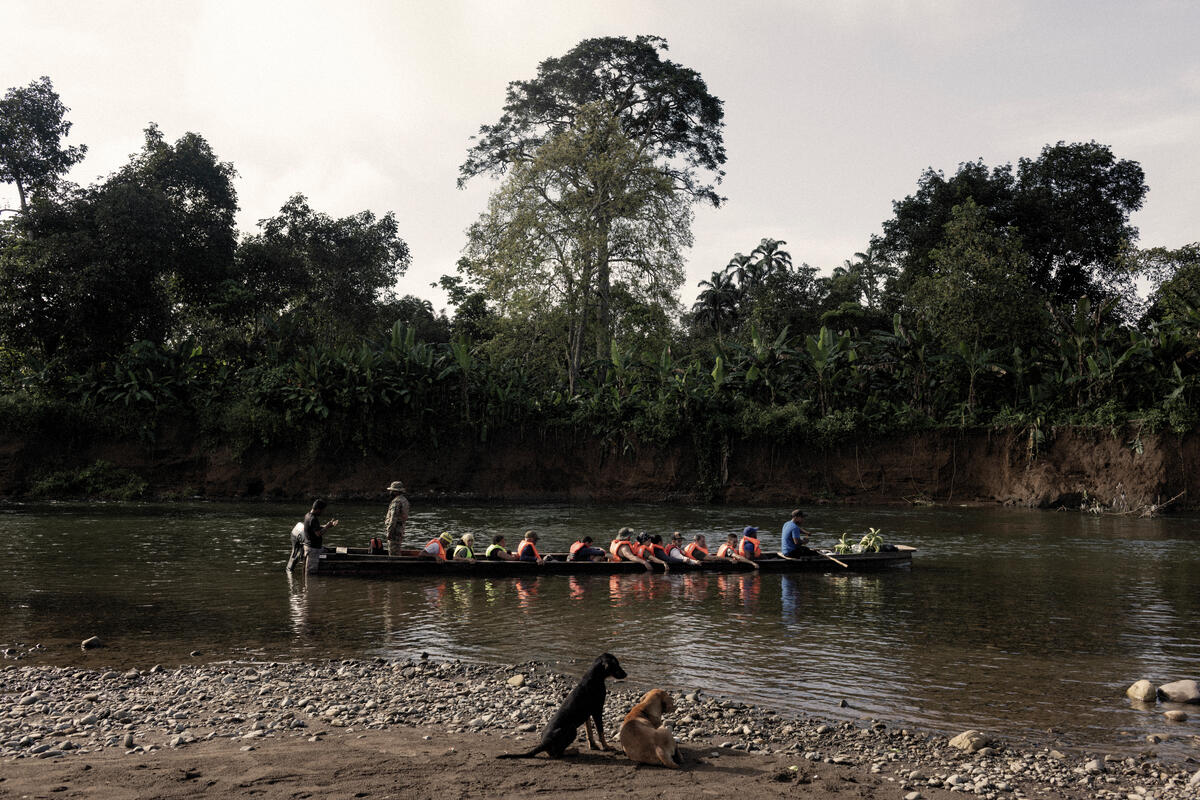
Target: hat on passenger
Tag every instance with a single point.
(396, 486)
(625, 533)
(749, 530)
(446, 537)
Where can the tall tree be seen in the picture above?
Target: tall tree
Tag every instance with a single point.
(588, 227)
(662, 130)
(32, 127)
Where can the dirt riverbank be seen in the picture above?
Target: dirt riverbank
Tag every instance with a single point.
(1115, 470)
(418, 729)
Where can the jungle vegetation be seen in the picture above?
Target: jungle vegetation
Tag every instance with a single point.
(996, 296)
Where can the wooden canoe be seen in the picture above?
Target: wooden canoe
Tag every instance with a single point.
(359, 562)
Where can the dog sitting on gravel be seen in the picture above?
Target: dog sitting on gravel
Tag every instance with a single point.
(642, 733)
(583, 706)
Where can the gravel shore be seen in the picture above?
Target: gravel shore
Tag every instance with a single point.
(56, 715)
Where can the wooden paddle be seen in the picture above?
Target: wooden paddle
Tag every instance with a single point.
(818, 552)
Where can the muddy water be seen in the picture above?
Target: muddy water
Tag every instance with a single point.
(1027, 624)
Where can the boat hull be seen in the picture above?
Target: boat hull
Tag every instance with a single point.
(359, 563)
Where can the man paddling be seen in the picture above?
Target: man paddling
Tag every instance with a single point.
(795, 537)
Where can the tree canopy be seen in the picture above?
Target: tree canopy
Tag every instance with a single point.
(1070, 206)
(664, 109)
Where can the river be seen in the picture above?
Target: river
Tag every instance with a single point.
(1026, 624)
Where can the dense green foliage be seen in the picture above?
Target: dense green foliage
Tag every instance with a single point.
(995, 298)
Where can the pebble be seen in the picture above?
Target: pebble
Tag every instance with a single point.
(247, 702)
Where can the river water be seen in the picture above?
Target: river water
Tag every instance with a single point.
(1025, 624)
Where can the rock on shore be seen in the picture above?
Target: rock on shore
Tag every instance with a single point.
(58, 712)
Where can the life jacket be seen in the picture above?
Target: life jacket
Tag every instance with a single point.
(755, 548)
(693, 548)
(526, 544)
(441, 547)
(462, 551)
(726, 550)
(614, 548)
(493, 550)
(575, 548)
(656, 550)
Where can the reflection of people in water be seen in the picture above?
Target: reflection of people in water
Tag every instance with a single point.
(575, 587)
(788, 588)
(527, 591)
(740, 588)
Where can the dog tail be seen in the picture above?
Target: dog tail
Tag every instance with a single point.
(539, 749)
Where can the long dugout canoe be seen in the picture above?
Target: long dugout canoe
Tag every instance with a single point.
(358, 562)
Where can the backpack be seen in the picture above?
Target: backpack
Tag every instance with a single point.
(376, 546)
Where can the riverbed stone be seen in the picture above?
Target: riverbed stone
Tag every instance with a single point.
(91, 643)
(1187, 691)
(516, 681)
(972, 741)
(1143, 691)
(1175, 715)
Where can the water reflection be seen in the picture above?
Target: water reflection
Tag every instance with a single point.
(1013, 621)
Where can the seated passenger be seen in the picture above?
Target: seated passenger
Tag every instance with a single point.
(584, 550)
(496, 550)
(527, 549)
(436, 549)
(622, 549)
(675, 552)
(729, 550)
(750, 546)
(697, 548)
(466, 547)
(655, 554)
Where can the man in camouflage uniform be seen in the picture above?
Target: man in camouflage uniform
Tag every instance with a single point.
(397, 517)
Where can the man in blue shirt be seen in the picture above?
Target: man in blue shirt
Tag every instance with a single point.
(794, 536)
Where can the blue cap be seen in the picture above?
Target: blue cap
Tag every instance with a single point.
(749, 530)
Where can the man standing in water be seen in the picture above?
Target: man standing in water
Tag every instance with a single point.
(314, 535)
(396, 519)
(794, 536)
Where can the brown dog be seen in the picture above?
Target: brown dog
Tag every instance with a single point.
(642, 733)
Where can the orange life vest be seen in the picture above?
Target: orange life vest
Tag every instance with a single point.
(656, 550)
(615, 547)
(441, 547)
(524, 544)
(694, 548)
(755, 549)
(575, 548)
(726, 550)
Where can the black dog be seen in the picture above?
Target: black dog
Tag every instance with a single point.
(585, 704)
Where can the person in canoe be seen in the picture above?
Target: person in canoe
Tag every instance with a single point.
(466, 547)
(675, 552)
(497, 551)
(749, 546)
(646, 549)
(436, 549)
(622, 549)
(795, 537)
(697, 548)
(584, 550)
(314, 535)
(396, 519)
(527, 549)
(730, 551)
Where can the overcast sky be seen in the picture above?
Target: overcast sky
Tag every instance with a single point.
(832, 109)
